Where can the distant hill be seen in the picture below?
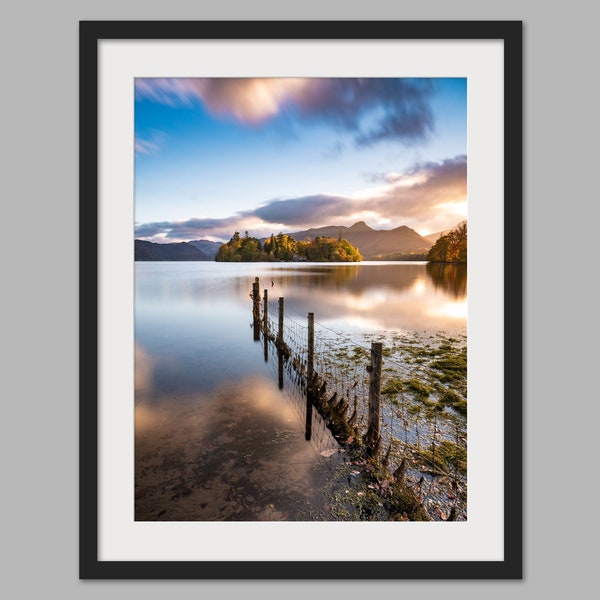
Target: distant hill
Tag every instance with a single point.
(374, 244)
(181, 251)
(401, 243)
(209, 248)
(434, 237)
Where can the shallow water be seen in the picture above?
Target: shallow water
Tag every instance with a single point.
(215, 437)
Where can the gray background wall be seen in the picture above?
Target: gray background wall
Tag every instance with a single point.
(39, 222)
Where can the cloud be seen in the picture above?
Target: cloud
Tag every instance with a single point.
(372, 109)
(190, 229)
(171, 92)
(415, 196)
(422, 188)
(250, 100)
(298, 211)
(151, 144)
(425, 196)
(376, 109)
(145, 146)
(430, 196)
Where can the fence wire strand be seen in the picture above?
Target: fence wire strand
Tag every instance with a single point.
(417, 442)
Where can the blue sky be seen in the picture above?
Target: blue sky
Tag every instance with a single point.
(266, 155)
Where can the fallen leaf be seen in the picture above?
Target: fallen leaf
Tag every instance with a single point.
(328, 453)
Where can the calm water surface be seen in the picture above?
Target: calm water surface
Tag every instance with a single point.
(201, 380)
(193, 318)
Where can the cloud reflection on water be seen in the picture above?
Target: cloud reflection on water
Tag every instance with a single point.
(379, 297)
(212, 428)
(237, 453)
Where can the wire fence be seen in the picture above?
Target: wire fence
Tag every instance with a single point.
(422, 434)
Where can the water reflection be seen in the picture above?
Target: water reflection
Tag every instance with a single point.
(236, 453)
(377, 296)
(181, 306)
(353, 279)
(451, 278)
(209, 414)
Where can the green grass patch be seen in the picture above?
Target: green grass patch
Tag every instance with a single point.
(447, 455)
(393, 387)
(454, 455)
(359, 353)
(449, 398)
(420, 389)
(460, 406)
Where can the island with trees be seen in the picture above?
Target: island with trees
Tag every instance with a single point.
(284, 248)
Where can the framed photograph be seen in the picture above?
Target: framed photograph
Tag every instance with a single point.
(285, 372)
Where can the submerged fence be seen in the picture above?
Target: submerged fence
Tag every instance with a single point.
(366, 409)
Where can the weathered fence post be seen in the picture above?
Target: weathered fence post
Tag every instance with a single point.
(310, 374)
(373, 437)
(280, 329)
(266, 312)
(266, 324)
(256, 308)
(280, 344)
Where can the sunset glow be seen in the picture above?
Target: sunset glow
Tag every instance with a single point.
(284, 154)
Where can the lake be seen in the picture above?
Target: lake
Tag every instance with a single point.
(216, 439)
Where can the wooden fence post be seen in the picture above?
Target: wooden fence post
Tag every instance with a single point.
(266, 312)
(373, 437)
(256, 308)
(310, 375)
(280, 330)
(280, 344)
(266, 324)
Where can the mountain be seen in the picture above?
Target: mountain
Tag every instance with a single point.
(401, 243)
(374, 244)
(181, 251)
(434, 237)
(209, 248)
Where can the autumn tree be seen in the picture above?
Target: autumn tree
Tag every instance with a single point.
(283, 247)
(246, 249)
(452, 247)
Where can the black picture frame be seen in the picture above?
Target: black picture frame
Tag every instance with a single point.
(91, 33)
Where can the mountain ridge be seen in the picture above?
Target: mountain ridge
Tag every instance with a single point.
(173, 251)
(373, 244)
(209, 248)
(400, 243)
(434, 237)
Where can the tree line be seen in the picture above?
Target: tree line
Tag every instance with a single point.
(283, 247)
(452, 247)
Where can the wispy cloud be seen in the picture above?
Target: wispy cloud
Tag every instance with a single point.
(145, 147)
(189, 229)
(430, 195)
(151, 145)
(424, 197)
(372, 109)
